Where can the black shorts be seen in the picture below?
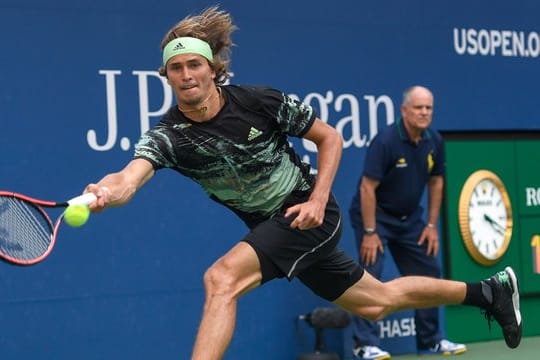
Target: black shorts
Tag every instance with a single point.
(311, 255)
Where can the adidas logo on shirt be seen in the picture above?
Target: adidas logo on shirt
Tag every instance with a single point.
(253, 133)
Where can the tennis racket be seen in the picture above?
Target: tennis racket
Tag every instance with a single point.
(27, 234)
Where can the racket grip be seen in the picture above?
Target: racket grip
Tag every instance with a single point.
(84, 199)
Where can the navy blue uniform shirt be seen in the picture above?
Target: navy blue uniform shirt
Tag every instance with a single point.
(402, 167)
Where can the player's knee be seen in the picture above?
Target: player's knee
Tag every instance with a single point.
(218, 279)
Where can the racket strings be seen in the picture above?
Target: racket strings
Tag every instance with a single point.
(25, 229)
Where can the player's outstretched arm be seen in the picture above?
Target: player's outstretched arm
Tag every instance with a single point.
(118, 188)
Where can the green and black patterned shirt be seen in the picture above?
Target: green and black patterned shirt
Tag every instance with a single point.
(242, 157)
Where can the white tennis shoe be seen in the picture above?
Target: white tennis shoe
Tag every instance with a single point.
(370, 353)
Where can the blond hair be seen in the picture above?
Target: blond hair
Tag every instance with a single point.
(213, 26)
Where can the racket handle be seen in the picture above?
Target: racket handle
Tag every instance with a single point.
(84, 199)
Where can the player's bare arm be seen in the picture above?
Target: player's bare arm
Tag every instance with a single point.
(118, 188)
(329, 146)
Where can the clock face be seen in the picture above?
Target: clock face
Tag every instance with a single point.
(485, 217)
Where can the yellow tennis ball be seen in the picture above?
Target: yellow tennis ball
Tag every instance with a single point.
(76, 215)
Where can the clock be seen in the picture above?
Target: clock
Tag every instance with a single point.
(485, 217)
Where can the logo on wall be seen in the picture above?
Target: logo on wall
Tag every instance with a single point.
(397, 328)
(343, 111)
(496, 43)
(532, 196)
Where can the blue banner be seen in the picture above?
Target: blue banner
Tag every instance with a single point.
(80, 85)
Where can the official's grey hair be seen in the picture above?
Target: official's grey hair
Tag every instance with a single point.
(407, 93)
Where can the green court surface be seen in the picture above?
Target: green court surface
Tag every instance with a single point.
(529, 349)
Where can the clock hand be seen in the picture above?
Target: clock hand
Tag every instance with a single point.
(496, 226)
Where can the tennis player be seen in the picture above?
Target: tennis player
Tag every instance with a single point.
(233, 141)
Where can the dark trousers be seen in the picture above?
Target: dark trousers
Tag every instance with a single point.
(400, 236)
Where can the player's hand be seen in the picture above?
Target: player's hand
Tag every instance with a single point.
(371, 244)
(102, 194)
(309, 214)
(431, 235)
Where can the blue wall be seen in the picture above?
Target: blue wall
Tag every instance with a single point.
(78, 85)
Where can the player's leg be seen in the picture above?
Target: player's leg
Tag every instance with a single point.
(498, 296)
(336, 277)
(271, 250)
(225, 281)
(374, 299)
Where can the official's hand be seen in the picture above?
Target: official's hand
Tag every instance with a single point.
(309, 214)
(371, 244)
(431, 235)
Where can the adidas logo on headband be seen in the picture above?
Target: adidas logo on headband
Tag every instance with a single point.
(178, 46)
